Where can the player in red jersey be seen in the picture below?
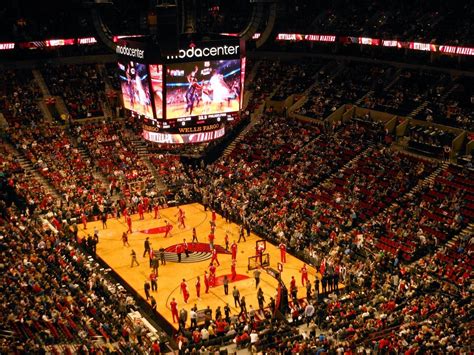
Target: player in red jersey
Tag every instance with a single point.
(282, 247)
(233, 249)
(84, 220)
(174, 310)
(214, 257)
(146, 204)
(212, 275)
(181, 219)
(184, 290)
(211, 238)
(233, 270)
(304, 274)
(129, 223)
(198, 287)
(206, 281)
(180, 216)
(168, 229)
(140, 211)
(156, 209)
(186, 248)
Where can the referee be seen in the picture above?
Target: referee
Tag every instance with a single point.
(256, 274)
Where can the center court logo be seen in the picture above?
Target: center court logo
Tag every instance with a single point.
(194, 52)
(197, 252)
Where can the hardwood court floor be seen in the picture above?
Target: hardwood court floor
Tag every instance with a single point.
(117, 256)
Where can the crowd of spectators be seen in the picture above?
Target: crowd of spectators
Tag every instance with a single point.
(348, 83)
(425, 219)
(321, 100)
(269, 73)
(53, 154)
(170, 169)
(281, 180)
(19, 97)
(455, 109)
(454, 262)
(420, 22)
(365, 188)
(21, 187)
(81, 87)
(112, 152)
(298, 78)
(408, 93)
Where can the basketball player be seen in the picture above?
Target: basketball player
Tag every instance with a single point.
(130, 74)
(140, 211)
(191, 90)
(198, 287)
(125, 214)
(174, 310)
(226, 241)
(84, 220)
(125, 239)
(156, 209)
(212, 275)
(186, 248)
(195, 238)
(181, 217)
(206, 281)
(220, 90)
(211, 238)
(214, 257)
(142, 95)
(129, 224)
(168, 229)
(233, 249)
(241, 234)
(233, 270)
(304, 274)
(282, 247)
(184, 290)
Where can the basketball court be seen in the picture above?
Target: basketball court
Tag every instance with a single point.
(118, 257)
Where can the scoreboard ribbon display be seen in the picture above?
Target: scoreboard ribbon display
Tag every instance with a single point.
(170, 138)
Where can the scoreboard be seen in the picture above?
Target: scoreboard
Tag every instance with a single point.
(185, 91)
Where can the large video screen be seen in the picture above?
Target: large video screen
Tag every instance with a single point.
(202, 88)
(135, 89)
(156, 75)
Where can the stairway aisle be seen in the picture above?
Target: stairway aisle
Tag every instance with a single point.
(141, 149)
(30, 171)
(254, 121)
